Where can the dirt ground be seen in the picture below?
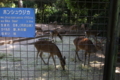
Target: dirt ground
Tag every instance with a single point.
(18, 62)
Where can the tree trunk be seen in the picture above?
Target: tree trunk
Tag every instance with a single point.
(20, 3)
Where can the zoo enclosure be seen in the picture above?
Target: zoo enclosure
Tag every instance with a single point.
(67, 12)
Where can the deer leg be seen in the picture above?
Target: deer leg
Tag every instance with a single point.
(48, 59)
(88, 58)
(52, 35)
(76, 52)
(54, 61)
(77, 56)
(36, 33)
(37, 57)
(85, 58)
(95, 38)
(41, 57)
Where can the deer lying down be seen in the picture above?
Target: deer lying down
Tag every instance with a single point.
(82, 43)
(49, 47)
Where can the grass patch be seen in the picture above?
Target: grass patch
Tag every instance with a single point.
(14, 59)
(58, 41)
(46, 68)
(64, 73)
(73, 49)
(78, 78)
(95, 62)
(8, 75)
(45, 56)
(3, 55)
(9, 54)
(72, 59)
(88, 68)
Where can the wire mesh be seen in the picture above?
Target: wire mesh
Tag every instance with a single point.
(18, 57)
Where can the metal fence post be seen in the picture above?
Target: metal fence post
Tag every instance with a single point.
(111, 48)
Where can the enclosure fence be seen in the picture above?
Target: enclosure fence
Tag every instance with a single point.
(74, 40)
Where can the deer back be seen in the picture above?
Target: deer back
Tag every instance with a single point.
(92, 32)
(85, 44)
(54, 32)
(73, 27)
(99, 45)
(48, 46)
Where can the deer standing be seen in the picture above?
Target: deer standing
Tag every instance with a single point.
(49, 47)
(86, 44)
(38, 31)
(92, 33)
(54, 33)
(73, 27)
(89, 32)
(55, 23)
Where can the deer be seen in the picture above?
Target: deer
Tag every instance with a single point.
(54, 33)
(89, 32)
(54, 24)
(49, 47)
(73, 27)
(87, 45)
(92, 33)
(38, 30)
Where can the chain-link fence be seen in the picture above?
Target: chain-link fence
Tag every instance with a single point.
(70, 37)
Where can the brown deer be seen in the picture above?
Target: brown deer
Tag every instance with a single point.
(86, 44)
(49, 47)
(54, 24)
(73, 27)
(38, 31)
(54, 33)
(90, 33)
(83, 26)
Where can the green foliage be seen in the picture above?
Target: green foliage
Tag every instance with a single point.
(29, 4)
(67, 11)
(9, 4)
(85, 10)
(2, 4)
(2, 55)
